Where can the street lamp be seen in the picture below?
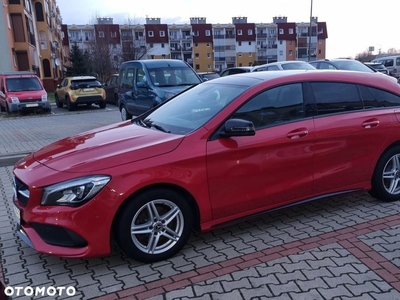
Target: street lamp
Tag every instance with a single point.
(309, 33)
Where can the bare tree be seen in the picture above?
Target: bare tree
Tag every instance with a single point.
(134, 45)
(365, 56)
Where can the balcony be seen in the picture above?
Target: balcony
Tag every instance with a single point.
(229, 36)
(261, 35)
(218, 36)
(127, 37)
(219, 59)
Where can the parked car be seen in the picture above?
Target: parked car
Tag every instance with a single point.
(208, 75)
(22, 91)
(197, 160)
(378, 67)
(284, 65)
(144, 84)
(76, 90)
(341, 64)
(235, 70)
(392, 63)
(111, 88)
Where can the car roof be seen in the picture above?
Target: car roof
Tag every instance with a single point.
(205, 73)
(158, 63)
(82, 78)
(287, 76)
(240, 68)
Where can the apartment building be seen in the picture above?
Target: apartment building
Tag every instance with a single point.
(33, 30)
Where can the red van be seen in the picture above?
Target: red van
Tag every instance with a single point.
(22, 91)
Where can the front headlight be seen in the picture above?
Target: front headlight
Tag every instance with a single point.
(14, 100)
(44, 97)
(74, 192)
(169, 95)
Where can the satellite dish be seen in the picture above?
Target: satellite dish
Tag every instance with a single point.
(57, 62)
(59, 27)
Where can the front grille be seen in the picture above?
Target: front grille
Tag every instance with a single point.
(21, 191)
(31, 100)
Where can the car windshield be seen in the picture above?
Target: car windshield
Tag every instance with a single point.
(297, 66)
(23, 84)
(352, 65)
(164, 77)
(85, 83)
(190, 110)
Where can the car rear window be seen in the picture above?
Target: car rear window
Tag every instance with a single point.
(85, 83)
(23, 84)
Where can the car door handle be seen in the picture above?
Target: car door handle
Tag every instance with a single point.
(297, 133)
(370, 124)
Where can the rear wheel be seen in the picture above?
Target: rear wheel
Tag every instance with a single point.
(71, 106)
(386, 177)
(124, 114)
(155, 225)
(58, 102)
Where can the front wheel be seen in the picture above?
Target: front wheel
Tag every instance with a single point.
(58, 102)
(124, 114)
(71, 106)
(386, 177)
(155, 225)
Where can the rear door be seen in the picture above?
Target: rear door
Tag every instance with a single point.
(348, 137)
(143, 97)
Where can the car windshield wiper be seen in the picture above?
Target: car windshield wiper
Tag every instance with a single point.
(148, 123)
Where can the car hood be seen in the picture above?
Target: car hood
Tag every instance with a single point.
(106, 147)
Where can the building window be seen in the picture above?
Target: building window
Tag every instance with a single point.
(208, 44)
(162, 33)
(162, 45)
(240, 43)
(290, 30)
(240, 54)
(240, 65)
(208, 32)
(281, 52)
(209, 67)
(272, 31)
(319, 51)
(197, 56)
(195, 33)
(290, 52)
(240, 32)
(150, 33)
(163, 56)
(290, 42)
(250, 54)
(101, 34)
(249, 43)
(152, 56)
(320, 42)
(113, 34)
(281, 31)
(46, 68)
(196, 44)
(39, 12)
(280, 42)
(250, 31)
(151, 45)
(197, 67)
(208, 55)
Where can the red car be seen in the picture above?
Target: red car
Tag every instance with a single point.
(225, 149)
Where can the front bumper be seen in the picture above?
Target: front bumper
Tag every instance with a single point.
(26, 106)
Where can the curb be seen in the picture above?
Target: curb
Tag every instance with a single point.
(10, 160)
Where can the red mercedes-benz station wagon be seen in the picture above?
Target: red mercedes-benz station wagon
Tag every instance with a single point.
(223, 150)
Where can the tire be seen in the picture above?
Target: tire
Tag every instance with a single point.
(386, 178)
(115, 99)
(103, 104)
(146, 212)
(124, 114)
(58, 102)
(71, 106)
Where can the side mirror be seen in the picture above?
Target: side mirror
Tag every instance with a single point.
(238, 127)
(105, 84)
(141, 84)
(58, 86)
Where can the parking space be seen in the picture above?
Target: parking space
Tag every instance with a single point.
(337, 248)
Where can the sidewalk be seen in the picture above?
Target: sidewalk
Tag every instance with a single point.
(344, 247)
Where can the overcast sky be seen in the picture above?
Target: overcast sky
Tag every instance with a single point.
(353, 25)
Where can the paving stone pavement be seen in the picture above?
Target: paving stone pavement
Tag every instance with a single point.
(343, 247)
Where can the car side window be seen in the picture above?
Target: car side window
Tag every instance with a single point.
(273, 68)
(326, 66)
(336, 97)
(64, 82)
(127, 80)
(140, 76)
(114, 80)
(374, 97)
(271, 107)
(398, 61)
